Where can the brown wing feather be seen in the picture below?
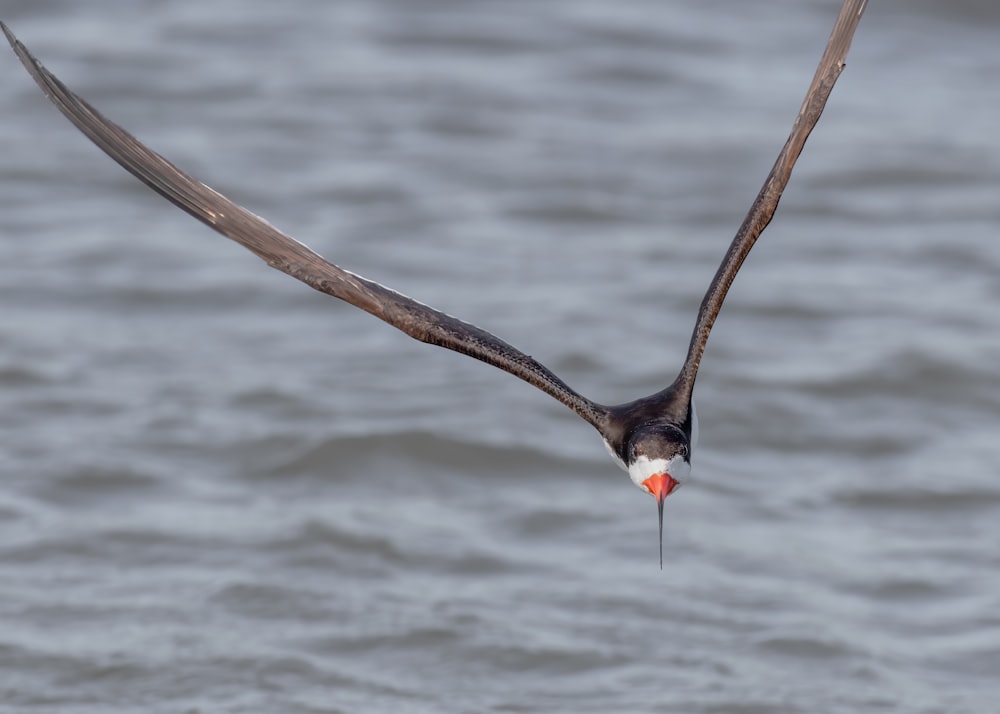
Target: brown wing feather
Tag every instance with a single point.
(830, 66)
(288, 255)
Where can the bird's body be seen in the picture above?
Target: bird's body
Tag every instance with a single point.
(651, 438)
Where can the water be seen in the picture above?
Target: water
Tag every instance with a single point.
(224, 492)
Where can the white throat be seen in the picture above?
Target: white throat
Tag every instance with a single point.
(644, 467)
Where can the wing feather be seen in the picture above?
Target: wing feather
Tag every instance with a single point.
(762, 210)
(288, 255)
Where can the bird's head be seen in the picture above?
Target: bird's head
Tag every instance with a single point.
(659, 461)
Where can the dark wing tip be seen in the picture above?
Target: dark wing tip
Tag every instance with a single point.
(38, 72)
(48, 82)
(14, 42)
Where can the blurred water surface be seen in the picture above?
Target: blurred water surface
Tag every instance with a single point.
(224, 492)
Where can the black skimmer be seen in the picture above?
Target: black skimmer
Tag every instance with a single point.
(651, 438)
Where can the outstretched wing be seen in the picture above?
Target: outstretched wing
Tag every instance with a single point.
(759, 216)
(288, 255)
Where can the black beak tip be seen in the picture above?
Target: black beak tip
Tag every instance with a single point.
(659, 509)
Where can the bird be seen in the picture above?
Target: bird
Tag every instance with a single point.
(651, 438)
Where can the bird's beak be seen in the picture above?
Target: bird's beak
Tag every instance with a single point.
(660, 486)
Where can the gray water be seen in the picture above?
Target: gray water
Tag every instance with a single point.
(223, 492)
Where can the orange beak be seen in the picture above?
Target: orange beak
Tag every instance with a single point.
(660, 486)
